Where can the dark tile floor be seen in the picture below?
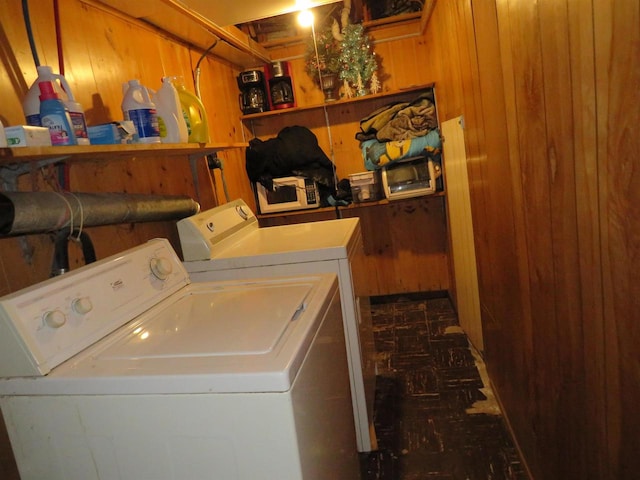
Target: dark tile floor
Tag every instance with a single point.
(435, 415)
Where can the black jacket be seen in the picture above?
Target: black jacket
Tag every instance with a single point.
(295, 151)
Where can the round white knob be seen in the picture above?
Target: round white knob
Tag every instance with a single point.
(161, 267)
(54, 319)
(82, 305)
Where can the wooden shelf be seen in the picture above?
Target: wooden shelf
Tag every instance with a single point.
(310, 211)
(271, 113)
(21, 155)
(391, 202)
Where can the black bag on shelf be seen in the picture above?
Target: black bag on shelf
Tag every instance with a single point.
(294, 152)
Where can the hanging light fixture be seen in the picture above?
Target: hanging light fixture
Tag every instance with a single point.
(306, 19)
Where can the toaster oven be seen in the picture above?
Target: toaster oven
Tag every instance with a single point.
(410, 177)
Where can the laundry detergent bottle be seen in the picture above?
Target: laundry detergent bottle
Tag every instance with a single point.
(55, 116)
(31, 102)
(138, 107)
(171, 121)
(194, 112)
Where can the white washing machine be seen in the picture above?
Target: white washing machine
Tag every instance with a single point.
(226, 242)
(123, 369)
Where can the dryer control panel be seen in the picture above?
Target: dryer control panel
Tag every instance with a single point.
(45, 324)
(200, 234)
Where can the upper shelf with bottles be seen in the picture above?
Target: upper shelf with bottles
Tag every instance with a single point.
(402, 91)
(12, 156)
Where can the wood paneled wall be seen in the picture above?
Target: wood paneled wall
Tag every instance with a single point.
(550, 91)
(405, 244)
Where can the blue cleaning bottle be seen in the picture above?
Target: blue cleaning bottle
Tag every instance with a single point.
(55, 116)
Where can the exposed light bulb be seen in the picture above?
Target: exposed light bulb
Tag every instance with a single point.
(305, 18)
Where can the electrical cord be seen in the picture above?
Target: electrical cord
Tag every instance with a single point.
(27, 24)
(213, 161)
(56, 17)
(324, 107)
(196, 72)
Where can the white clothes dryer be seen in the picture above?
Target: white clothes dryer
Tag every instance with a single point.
(226, 242)
(124, 369)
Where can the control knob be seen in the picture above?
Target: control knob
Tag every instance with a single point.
(82, 305)
(54, 318)
(161, 267)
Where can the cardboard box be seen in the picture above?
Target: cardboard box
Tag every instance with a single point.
(27, 136)
(113, 133)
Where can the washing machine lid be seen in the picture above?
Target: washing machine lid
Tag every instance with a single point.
(282, 245)
(314, 241)
(249, 320)
(212, 337)
(230, 236)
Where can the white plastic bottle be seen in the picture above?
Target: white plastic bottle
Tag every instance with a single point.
(171, 122)
(138, 107)
(31, 103)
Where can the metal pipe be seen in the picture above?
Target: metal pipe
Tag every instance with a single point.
(41, 212)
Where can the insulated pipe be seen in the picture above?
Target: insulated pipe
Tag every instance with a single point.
(42, 212)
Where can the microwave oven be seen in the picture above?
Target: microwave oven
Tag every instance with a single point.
(410, 177)
(288, 193)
